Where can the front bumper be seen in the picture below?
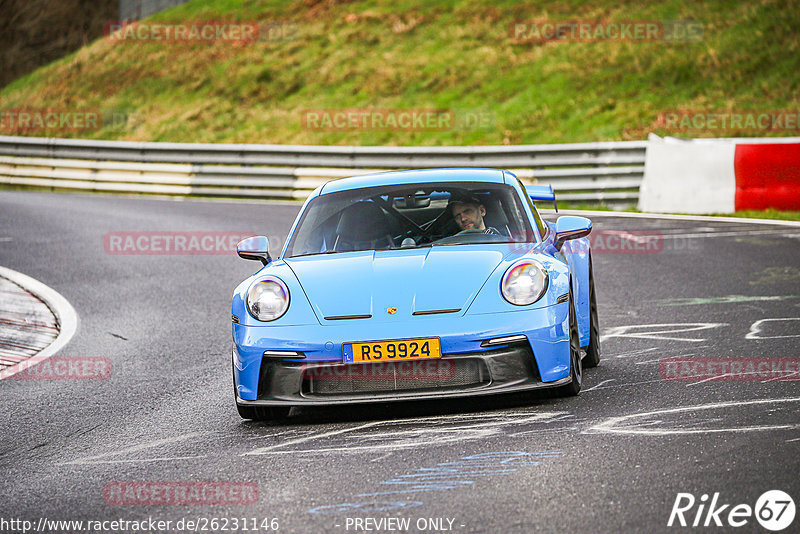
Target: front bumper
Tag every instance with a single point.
(504, 370)
(466, 367)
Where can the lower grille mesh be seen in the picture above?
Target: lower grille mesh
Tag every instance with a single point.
(440, 374)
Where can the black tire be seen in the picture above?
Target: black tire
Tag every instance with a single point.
(259, 413)
(576, 365)
(592, 357)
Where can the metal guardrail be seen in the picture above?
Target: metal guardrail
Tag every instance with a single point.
(610, 171)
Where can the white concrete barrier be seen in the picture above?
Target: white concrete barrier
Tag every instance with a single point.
(688, 177)
(696, 175)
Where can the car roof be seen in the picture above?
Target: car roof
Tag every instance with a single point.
(416, 176)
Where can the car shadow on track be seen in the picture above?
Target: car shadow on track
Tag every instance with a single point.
(314, 415)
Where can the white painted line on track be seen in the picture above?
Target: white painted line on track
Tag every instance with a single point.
(626, 384)
(626, 331)
(634, 352)
(778, 377)
(703, 235)
(99, 458)
(145, 460)
(643, 238)
(288, 432)
(709, 379)
(755, 328)
(415, 437)
(614, 425)
(65, 314)
(600, 384)
(657, 360)
(267, 450)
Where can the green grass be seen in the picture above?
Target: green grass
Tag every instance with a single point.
(454, 55)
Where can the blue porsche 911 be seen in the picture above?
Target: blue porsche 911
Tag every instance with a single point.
(419, 284)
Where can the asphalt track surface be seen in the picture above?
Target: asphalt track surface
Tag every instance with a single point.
(613, 459)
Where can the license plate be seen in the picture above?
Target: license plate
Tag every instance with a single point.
(392, 351)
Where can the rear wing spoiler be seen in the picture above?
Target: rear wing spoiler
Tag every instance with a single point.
(542, 192)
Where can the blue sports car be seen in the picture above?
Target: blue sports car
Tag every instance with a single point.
(419, 284)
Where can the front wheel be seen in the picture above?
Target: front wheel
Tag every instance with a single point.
(576, 365)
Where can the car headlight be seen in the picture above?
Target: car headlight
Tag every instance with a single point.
(268, 299)
(524, 283)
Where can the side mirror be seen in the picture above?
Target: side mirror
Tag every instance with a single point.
(254, 248)
(571, 227)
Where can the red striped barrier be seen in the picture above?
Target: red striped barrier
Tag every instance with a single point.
(767, 176)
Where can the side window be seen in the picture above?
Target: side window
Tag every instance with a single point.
(539, 222)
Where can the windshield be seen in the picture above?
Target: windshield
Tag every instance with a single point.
(410, 216)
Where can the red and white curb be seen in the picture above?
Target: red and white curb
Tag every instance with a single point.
(65, 315)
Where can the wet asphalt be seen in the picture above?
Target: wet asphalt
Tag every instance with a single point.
(614, 459)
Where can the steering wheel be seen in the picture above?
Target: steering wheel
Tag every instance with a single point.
(489, 230)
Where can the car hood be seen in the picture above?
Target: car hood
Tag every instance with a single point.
(411, 280)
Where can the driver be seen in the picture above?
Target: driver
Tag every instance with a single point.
(468, 213)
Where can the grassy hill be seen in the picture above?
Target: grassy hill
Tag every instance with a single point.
(456, 56)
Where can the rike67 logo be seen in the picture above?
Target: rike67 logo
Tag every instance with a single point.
(774, 510)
